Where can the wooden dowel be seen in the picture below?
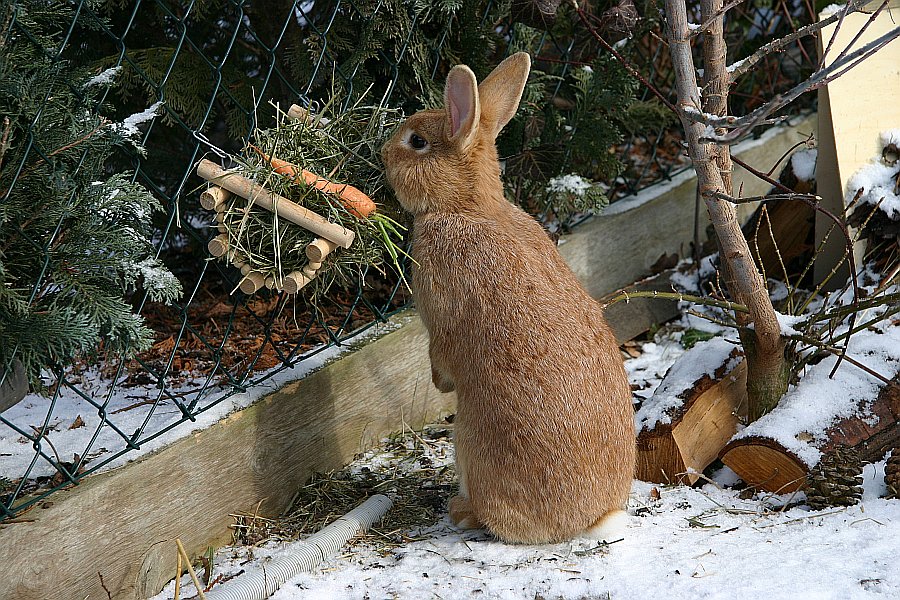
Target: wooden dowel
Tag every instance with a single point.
(314, 266)
(218, 246)
(245, 269)
(298, 113)
(214, 197)
(282, 206)
(270, 282)
(294, 281)
(318, 249)
(252, 281)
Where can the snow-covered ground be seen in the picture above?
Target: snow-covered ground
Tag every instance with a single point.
(680, 542)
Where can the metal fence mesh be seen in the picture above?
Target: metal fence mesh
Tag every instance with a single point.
(216, 65)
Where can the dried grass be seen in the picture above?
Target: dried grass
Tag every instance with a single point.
(415, 469)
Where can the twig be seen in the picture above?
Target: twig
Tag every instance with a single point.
(851, 260)
(626, 296)
(822, 77)
(190, 568)
(742, 66)
(841, 353)
(621, 59)
(749, 199)
(177, 574)
(5, 139)
(719, 13)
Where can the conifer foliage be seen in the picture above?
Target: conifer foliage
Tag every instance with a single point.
(75, 236)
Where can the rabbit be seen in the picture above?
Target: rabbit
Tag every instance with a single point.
(544, 429)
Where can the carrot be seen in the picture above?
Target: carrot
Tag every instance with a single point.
(356, 202)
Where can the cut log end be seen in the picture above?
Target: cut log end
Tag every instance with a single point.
(765, 464)
(318, 249)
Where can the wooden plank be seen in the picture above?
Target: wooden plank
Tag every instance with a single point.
(851, 121)
(123, 523)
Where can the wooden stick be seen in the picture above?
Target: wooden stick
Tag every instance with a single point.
(278, 204)
(190, 569)
(218, 246)
(252, 281)
(177, 574)
(318, 249)
(294, 281)
(298, 113)
(214, 197)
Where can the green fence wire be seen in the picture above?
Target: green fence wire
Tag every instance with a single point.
(215, 65)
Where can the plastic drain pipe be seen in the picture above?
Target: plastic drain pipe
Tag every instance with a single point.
(262, 582)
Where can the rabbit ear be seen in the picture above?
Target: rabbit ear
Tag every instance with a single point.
(502, 90)
(463, 107)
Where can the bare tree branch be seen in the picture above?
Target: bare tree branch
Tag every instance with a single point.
(743, 125)
(744, 65)
(717, 15)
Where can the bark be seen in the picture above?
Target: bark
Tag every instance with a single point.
(767, 369)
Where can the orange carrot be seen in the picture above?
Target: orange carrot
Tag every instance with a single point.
(356, 202)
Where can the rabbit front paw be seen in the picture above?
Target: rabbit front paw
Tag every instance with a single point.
(443, 383)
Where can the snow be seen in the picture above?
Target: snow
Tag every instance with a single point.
(703, 359)
(817, 402)
(129, 127)
(787, 322)
(876, 180)
(692, 543)
(891, 136)
(104, 78)
(803, 163)
(128, 409)
(647, 370)
(830, 10)
(571, 184)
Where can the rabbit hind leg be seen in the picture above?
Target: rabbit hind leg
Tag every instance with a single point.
(609, 527)
(463, 515)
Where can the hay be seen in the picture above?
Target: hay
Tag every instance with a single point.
(414, 469)
(342, 145)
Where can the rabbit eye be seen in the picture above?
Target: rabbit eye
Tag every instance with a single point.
(417, 142)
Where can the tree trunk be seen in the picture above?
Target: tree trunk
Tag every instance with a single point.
(767, 371)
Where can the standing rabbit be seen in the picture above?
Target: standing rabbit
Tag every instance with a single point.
(545, 445)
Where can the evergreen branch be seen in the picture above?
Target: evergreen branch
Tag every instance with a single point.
(69, 146)
(4, 141)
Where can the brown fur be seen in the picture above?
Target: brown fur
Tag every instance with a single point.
(544, 425)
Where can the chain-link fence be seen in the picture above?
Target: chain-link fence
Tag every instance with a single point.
(219, 67)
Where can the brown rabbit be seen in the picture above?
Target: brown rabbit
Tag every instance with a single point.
(544, 437)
